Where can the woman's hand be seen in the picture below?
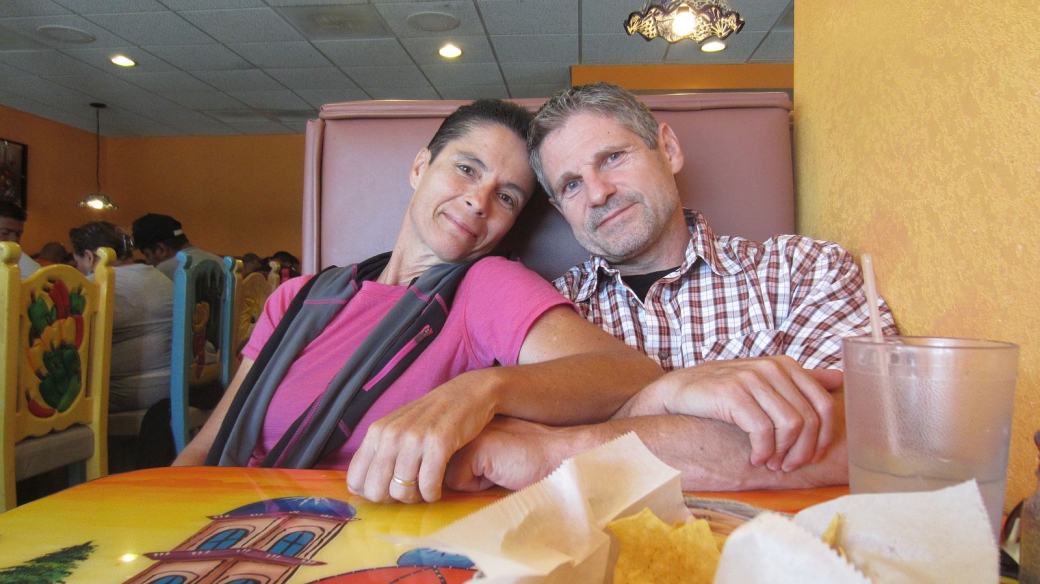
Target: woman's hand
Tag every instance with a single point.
(404, 455)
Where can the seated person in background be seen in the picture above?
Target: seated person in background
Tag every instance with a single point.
(53, 253)
(142, 319)
(382, 326)
(251, 263)
(12, 224)
(160, 237)
(749, 332)
(288, 264)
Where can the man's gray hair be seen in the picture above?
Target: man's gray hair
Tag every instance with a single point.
(602, 99)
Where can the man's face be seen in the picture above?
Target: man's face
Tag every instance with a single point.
(467, 198)
(617, 194)
(153, 256)
(10, 229)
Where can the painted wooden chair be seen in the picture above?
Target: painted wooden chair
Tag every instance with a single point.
(203, 354)
(54, 354)
(250, 297)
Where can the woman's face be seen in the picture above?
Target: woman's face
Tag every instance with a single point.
(467, 198)
(84, 262)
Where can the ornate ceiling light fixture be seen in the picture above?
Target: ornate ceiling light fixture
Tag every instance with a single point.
(97, 200)
(675, 20)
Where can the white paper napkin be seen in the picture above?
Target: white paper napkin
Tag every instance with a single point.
(554, 530)
(940, 537)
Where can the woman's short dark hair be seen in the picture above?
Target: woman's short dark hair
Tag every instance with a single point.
(101, 234)
(513, 116)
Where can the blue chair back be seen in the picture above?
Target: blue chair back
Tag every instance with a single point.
(203, 336)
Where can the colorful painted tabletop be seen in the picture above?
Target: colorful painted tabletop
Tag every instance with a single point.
(248, 526)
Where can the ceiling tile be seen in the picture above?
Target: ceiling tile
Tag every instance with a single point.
(609, 16)
(472, 93)
(262, 128)
(100, 86)
(45, 63)
(28, 26)
(777, 47)
(167, 81)
(30, 8)
(475, 49)
(211, 4)
(252, 80)
(9, 71)
(203, 100)
(280, 99)
(100, 58)
(11, 40)
(111, 6)
(530, 17)
(152, 28)
(463, 74)
(760, 15)
(298, 127)
(246, 25)
(208, 57)
(524, 91)
(404, 93)
(340, 22)
(396, 76)
(396, 17)
(556, 48)
(33, 86)
(556, 74)
(312, 2)
(619, 48)
(281, 55)
(324, 78)
(364, 52)
(320, 97)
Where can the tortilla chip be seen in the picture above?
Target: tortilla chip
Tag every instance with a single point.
(653, 552)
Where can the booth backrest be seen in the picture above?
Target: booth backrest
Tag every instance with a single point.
(738, 173)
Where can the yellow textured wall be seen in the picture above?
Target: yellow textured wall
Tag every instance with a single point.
(917, 138)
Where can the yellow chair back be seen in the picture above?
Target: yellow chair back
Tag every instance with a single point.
(54, 357)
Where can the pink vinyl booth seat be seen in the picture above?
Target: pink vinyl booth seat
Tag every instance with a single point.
(738, 173)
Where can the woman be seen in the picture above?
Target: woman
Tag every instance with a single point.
(470, 184)
(142, 321)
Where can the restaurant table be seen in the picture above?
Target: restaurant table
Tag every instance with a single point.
(182, 525)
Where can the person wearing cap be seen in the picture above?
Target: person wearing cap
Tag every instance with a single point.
(12, 224)
(160, 237)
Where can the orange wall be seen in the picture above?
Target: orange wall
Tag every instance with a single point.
(233, 194)
(61, 171)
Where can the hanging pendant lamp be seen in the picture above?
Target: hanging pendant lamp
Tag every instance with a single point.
(97, 200)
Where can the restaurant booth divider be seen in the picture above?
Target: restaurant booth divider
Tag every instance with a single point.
(738, 172)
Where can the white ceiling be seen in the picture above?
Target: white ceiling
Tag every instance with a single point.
(227, 67)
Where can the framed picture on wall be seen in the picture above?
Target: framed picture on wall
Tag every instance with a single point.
(14, 170)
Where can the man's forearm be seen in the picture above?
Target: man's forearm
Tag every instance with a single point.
(712, 455)
(715, 456)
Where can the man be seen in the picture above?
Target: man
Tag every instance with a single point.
(746, 330)
(160, 237)
(12, 225)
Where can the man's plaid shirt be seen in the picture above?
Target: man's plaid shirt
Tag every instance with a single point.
(733, 298)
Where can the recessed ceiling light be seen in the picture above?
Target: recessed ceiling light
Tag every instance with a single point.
(123, 61)
(432, 21)
(66, 34)
(450, 51)
(713, 46)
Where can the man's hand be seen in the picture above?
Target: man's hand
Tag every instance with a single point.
(510, 453)
(787, 411)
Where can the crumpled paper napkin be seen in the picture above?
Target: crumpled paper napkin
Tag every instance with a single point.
(940, 537)
(555, 530)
